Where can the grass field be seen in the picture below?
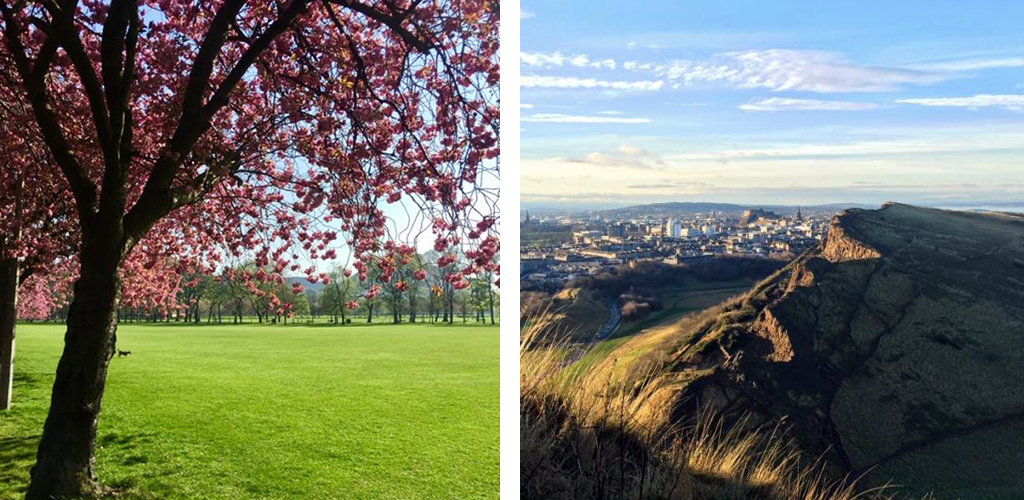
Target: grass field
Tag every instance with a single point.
(274, 412)
(687, 298)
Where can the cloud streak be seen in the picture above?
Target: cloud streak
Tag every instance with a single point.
(562, 118)
(1008, 101)
(973, 64)
(554, 59)
(803, 70)
(569, 82)
(625, 156)
(788, 104)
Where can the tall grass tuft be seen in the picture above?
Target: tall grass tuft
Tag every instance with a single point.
(586, 436)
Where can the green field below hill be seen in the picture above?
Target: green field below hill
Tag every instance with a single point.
(685, 298)
(278, 412)
(691, 296)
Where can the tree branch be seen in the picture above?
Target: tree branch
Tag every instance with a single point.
(63, 26)
(35, 87)
(158, 198)
(393, 21)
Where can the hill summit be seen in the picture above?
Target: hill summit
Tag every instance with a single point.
(894, 349)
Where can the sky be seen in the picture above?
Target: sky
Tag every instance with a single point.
(781, 102)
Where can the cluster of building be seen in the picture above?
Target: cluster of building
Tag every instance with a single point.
(593, 242)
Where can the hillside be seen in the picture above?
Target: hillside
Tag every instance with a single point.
(895, 348)
(316, 287)
(573, 311)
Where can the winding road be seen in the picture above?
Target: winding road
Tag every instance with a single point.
(611, 324)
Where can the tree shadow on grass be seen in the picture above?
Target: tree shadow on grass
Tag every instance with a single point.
(17, 454)
(28, 382)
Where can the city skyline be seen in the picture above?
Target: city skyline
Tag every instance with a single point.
(796, 103)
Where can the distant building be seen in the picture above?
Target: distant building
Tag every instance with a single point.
(671, 228)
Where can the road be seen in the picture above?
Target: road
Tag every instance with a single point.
(611, 324)
(607, 329)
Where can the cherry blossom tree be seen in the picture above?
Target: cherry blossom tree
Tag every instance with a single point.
(234, 129)
(34, 220)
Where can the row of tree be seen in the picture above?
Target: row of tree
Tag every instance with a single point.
(419, 291)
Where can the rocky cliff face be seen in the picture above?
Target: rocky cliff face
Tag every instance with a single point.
(896, 348)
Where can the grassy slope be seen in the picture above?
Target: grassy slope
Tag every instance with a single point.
(691, 297)
(229, 412)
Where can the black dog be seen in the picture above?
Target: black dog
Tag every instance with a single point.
(121, 353)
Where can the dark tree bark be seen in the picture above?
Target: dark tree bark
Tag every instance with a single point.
(64, 462)
(490, 302)
(8, 317)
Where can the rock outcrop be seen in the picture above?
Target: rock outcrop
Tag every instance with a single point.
(895, 348)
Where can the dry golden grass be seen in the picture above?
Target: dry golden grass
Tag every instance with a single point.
(600, 435)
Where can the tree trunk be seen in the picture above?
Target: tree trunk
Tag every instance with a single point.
(65, 461)
(490, 303)
(369, 316)
(8, 317)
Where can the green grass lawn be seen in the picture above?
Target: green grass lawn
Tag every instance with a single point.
(275, 412)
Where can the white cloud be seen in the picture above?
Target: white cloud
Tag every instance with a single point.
(526, 106)
(634, 66)
(908, 143)
(785, 104)
(973, 64)
(560, 118)
(524, 14)
(549, 59)
(1009, 101)
(609, 112)
(625, 156)
(806, 70)
(587, 83)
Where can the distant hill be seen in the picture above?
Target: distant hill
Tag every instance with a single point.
(894, 349)
(306, 284)
(684, 208)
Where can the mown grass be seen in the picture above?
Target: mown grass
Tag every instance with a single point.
(274, 412)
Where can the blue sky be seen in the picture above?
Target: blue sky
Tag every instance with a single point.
(794, 102)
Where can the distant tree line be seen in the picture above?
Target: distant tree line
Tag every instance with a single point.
(418, 291)
(651, 274)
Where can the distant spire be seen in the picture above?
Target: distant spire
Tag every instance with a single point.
(799, 217)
